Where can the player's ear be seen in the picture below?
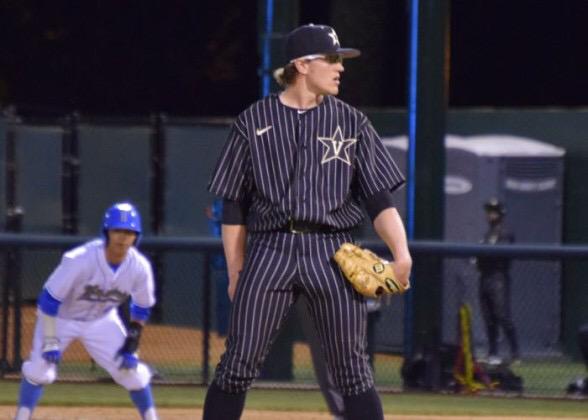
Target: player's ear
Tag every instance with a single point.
(301, 66)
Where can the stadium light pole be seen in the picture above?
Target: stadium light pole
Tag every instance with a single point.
(427, 104)
(411, 158)
(266, 58)
(275, 19)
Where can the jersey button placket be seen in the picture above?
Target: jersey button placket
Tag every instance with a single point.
(300, 140)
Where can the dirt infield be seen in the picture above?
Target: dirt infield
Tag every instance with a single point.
(123, 413)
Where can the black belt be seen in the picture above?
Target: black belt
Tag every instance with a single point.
(297, 226)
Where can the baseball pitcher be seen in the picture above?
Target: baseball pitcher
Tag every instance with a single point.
(294, 173)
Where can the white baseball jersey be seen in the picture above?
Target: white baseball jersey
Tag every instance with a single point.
(88, 288)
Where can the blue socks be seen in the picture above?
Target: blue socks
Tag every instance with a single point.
(29, 394)
(143, 399)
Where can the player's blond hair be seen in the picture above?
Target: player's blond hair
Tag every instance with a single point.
(286, 75)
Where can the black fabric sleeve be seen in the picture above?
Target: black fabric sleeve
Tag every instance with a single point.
(376, 170)
(131, 343)
(235, 212)
(374, 204)
(233, 168)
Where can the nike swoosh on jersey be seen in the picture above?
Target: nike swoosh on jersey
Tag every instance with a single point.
(260, 131)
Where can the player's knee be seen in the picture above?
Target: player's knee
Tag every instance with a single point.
(232, 382)
(234, 386)
(39, 372)
(133, 379)
(236, 380)
(353, 377)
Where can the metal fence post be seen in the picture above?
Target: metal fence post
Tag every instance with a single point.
(4, 365)
(13, 276)
(206, 297)
(158, 157)
(14, 216)
(70, 174)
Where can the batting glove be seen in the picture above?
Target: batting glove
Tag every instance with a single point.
(128, 361)
(130, 346)
(51, 352)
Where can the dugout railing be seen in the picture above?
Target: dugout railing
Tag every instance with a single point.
(184, 346)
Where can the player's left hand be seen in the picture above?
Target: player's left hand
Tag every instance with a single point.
(128, 361)
(127, 353)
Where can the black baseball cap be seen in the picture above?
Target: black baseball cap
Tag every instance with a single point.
(314, 39)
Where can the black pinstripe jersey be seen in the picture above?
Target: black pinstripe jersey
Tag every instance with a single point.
(314, 165)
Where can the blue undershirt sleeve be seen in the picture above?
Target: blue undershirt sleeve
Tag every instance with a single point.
(139, 313)
(48, 304)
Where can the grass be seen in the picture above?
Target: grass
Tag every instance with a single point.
(68, 394)
(548, 377)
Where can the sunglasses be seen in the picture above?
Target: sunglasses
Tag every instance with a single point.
(329, 58)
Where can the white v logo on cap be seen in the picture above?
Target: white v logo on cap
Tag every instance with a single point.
(334, 36)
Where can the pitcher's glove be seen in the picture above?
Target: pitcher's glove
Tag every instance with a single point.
(369, 274)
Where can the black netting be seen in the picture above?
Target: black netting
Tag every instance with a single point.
(176, 345)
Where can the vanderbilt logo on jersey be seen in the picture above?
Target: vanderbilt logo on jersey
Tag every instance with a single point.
(336, 147)
(94, 293)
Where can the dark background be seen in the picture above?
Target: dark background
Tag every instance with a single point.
(201, 58)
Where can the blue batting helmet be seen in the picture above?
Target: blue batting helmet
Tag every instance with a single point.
(122, 216)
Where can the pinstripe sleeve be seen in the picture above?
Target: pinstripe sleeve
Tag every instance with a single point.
(376, 170)
(231, 176)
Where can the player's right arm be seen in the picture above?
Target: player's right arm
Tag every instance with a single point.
(234, 242)
(234, 235)
(48, 309)
(232, 180)
(56, 290)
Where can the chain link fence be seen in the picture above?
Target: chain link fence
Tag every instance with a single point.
(185, 337)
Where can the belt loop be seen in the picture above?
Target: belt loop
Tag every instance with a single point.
(291, 227)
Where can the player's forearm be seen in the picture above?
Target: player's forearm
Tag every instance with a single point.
(234, 242)
(49, 325)
(389, 227)
(48, 309)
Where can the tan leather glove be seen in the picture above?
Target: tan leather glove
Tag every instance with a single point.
(369, 274)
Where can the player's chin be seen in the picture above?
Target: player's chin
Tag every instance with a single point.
(123, 247)
(333, 90)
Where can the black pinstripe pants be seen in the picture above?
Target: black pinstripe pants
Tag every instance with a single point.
(278, 266)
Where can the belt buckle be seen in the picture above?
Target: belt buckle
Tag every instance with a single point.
(291, 227)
